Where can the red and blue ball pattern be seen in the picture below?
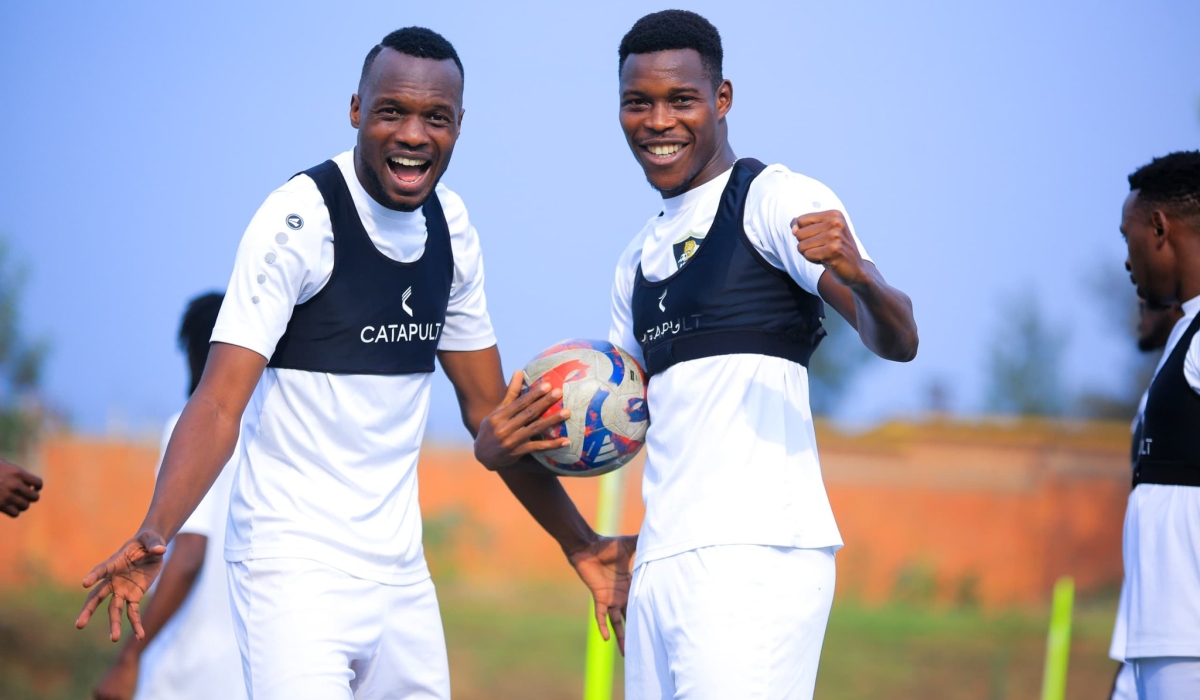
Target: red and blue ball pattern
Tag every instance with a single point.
(605, 389)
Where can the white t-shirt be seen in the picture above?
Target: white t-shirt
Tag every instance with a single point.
(1159, 611)
(328, 462)
(195, 655)
(731, 456)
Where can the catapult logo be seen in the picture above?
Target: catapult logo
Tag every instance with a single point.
(401, 332)
(294, 222)
(660, 301)
(404, 301)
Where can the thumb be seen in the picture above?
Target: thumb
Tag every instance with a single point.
(152, 542)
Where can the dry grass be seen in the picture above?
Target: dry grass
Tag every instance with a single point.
(528, 643)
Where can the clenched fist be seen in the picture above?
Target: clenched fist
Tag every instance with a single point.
(824, 238)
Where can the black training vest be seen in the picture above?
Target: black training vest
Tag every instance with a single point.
(375, 315)
(726, 299)
(1170, 446)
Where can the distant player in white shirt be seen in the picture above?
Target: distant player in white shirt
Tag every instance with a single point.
(1153, 330)
(350, 279)
(720, 296)
(1160, 598)
(190, 650)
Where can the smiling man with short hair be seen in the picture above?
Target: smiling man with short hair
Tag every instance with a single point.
(722, 295)
(350, 279)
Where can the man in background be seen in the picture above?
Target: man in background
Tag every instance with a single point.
(1153, 330)
(1160, 605)
(190, 649)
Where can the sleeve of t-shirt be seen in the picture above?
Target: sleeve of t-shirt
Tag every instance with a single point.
(468, 325)
(778, 196)
(276, 268)
(200, 521)
(621, 331)
(1191, 364)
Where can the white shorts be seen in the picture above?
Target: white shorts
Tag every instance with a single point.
(307, 630)
(1167, 678)
(729, 621)
(1124, 685)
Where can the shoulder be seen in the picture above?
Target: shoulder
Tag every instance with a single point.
(295, 208)
(777, 185)
(464, 240)
(454, 209)
(631, 256)
(462, 234)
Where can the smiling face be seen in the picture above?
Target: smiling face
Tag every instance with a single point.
(1150, 260)
(408, 113)
(674, 121)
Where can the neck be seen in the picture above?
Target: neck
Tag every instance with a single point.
(721, 161)
(1187, 264)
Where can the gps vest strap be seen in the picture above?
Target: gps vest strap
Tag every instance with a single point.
(375, 315)
(1169, 451)
(726, 299)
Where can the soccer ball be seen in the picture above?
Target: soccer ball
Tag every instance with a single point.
(605, 390)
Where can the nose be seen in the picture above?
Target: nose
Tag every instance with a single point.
(411, 132)
(660, 118)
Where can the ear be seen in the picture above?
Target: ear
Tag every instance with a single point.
(1162, 227)
(461, 113)
(724, 98)
(355, 111)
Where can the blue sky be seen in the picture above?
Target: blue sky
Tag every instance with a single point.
(981, 151)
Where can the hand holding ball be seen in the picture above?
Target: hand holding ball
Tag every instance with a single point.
(605, 390)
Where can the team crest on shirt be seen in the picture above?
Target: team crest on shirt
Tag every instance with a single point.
(686, 247)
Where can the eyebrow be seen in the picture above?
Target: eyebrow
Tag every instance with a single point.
(686, 89)
(393, 102)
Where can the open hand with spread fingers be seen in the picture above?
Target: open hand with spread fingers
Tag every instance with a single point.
(605, 566)
(825, 238)
(126, 576)
(511, 431)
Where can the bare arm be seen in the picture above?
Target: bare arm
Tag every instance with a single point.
(479, 383)
(882, 314)
(506, 428)
(204, 439)
(178, 576)
(201, 444)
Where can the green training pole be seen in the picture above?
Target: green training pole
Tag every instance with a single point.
(602, 655)
(1058, 642)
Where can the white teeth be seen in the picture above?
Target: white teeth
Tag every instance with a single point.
(665, 150)
(401, 160)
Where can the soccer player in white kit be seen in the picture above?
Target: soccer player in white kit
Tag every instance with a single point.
(1160, 596)
(720, 296)
(190, 649)
(1153, 330)
(349, 280)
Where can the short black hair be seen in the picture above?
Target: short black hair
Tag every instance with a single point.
(195, 330)
(675, 29)
(1172, 181)
(417, 42)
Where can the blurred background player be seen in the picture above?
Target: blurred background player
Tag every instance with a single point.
(190, 650)
(1160, 603)
(349, 281)
(721, 295)
(18, 489)
(1153, 329)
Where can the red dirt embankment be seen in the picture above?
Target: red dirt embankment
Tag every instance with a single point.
(952, 512)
